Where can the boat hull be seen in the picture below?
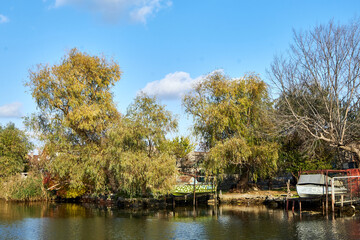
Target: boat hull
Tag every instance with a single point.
(313, 190)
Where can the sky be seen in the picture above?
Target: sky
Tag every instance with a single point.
(161, 46)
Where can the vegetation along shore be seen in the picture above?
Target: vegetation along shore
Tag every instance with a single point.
(244, 133)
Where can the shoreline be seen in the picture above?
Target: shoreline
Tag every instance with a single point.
(255, 197)
(250, 198)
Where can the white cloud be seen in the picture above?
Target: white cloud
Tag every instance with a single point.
(141, 13)
(113, 10)
(173, 86)
(11, 110)
(3, 19)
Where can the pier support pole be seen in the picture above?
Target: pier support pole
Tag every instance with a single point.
(194, 200)
(342, 201)
(288, 193)
(287, 204)
(327, 192)
(332, 196)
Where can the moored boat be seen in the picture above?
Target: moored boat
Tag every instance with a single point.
(314, 185)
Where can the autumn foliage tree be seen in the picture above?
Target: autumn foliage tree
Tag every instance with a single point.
(138, 152)
(76, 108)
(232, 118)
(14, 148)
(181, 146)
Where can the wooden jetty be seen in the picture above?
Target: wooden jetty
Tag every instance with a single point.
(189, 188)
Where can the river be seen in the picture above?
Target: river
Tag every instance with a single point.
(75, 221)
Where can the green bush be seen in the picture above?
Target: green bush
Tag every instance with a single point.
(19, 188)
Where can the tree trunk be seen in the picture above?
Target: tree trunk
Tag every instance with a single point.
(354, 148)
(270, 183)
(243, 183)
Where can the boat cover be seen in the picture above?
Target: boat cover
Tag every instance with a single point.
(313, 179)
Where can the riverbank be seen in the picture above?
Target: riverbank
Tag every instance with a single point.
(250, 198)
(122, 202)
(254, 197)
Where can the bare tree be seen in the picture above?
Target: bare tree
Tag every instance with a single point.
(319, 85)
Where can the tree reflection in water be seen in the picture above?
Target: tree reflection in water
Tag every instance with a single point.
(75, 221)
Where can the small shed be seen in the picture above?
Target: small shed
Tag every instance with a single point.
(185, 179)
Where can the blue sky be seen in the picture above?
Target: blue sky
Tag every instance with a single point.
(162, 46)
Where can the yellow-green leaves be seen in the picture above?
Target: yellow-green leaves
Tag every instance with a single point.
(76, 93)
(232, 118)
(221, 106)
(138, 153)
(137, 174)
(180, 146)
(14, 147)
(76, 110)
(151, 120)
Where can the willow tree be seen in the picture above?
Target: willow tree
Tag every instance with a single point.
(76, 109)
(232, 118)
(181, 146)
(14, 148)
(319, 86)
(137, 148)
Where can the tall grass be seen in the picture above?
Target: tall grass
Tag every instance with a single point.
(19, 188)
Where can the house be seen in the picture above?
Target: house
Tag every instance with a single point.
(191, 162)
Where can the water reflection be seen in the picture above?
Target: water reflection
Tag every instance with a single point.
(73, 221)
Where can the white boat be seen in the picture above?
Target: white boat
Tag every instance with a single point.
(314, 185)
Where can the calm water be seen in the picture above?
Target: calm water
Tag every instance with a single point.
(72, 221)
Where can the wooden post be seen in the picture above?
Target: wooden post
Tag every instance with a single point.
(351, 191)
(194, 200)
(215, 197)
(332, 196)
(293, 206)
(300, 206)
(215, 192)
(287, 204)
(288, 194)
(342, 201)
(173, 202)
(326, 192)
(323, 207)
